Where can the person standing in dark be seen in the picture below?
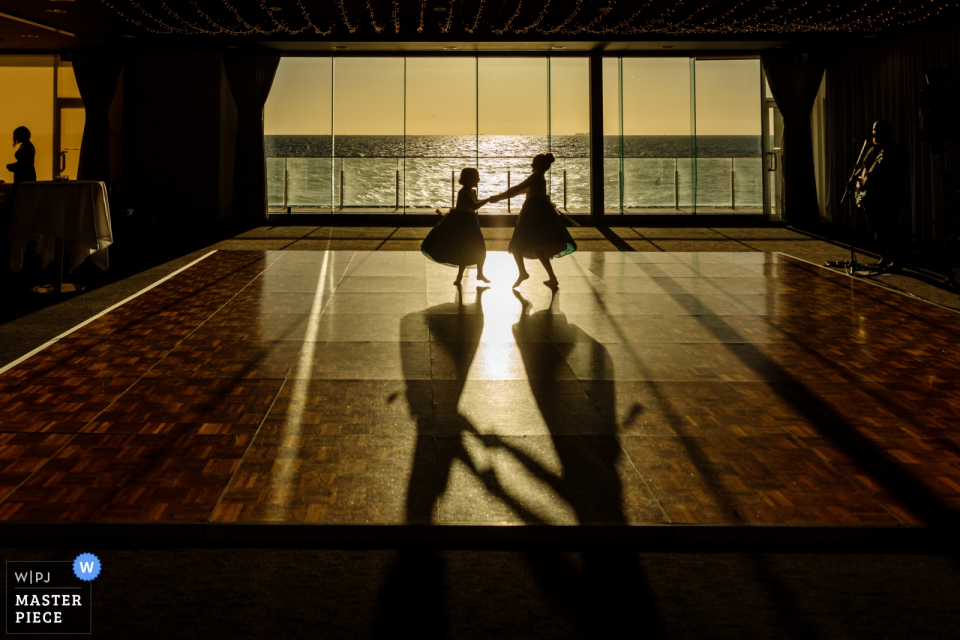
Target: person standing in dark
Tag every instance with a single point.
(883, 188)
(23, 169)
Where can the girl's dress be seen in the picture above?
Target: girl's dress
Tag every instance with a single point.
(457, 240)
(539, 226)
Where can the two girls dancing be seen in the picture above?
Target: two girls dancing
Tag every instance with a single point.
(539, 233)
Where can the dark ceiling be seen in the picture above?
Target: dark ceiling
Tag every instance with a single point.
(470, 24)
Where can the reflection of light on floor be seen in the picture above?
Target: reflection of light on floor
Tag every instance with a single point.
(281, 486)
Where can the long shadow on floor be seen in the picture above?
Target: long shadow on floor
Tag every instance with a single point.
(606, 590)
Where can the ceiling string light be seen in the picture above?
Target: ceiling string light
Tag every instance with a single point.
(445, 28)
(583, 18)
(346, 21)
(373, 19)
(476, 21)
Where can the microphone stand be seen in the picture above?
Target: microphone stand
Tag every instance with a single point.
(851, 266)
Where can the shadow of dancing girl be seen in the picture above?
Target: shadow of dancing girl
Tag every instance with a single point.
(455, 331)
(540, 232)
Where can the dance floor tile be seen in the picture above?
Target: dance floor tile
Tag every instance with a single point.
(359, 386)
(382, 284)
(365, 361)
(782, 361)
(516, 408)
(286, 232)
(241, 324)
(334, 244)
(767, 479)
(605, 329)
(593, 361)
(376, 303)
(57, 404)
(541, 480)
(22, 454)
(370, 328)
(351, 408)
(276, 283)
(326, 479)
(587, 233)
(411, 233)
(351, 232)
(486, 361)
(451, 327)
(719, 329)
(394, 244)
(671, 408)
(144, 326)
(918, 480)
(387, 264)
(592, 244)
(279, 302)
(127, 477)
(587, 283)
(199, 405)
(235, 359)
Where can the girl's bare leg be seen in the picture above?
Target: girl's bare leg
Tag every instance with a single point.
(522, 269)
(545, 261)
(459, 276)
(480, 276)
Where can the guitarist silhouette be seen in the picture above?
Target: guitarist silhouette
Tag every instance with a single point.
(881, 189)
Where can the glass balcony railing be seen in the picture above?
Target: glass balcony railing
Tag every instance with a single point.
(418, 184)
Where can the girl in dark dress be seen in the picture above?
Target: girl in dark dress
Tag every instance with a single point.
(23, 170)
(540, 232)
(456, 240)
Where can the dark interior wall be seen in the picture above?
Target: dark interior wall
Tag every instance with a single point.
(228, 146)
(116, 133)
(879, 81)
(177, 140)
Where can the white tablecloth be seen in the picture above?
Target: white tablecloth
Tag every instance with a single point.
(77, 212)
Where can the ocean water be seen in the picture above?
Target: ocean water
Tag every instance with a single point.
(421, 171)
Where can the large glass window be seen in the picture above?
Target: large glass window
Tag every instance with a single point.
(612, 137)
(513, 122)
(44, 98)
(28, 91)
(569, 133)
(368, 121)
(298, 129)
(657, 143)
(69, 119)
(729, 172)
(377, 134)
(441, 129)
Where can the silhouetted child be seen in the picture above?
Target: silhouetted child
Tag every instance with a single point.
(540, 231)
(23, 169)
(457, 240)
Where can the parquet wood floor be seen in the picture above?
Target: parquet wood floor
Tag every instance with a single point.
(361, 387)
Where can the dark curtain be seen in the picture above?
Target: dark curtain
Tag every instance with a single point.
(879, 81)
(794, 77)
(250, 75)
(97, 74)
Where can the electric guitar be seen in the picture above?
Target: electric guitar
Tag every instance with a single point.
(860, 194)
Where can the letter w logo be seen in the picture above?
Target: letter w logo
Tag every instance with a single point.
(86, 567)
